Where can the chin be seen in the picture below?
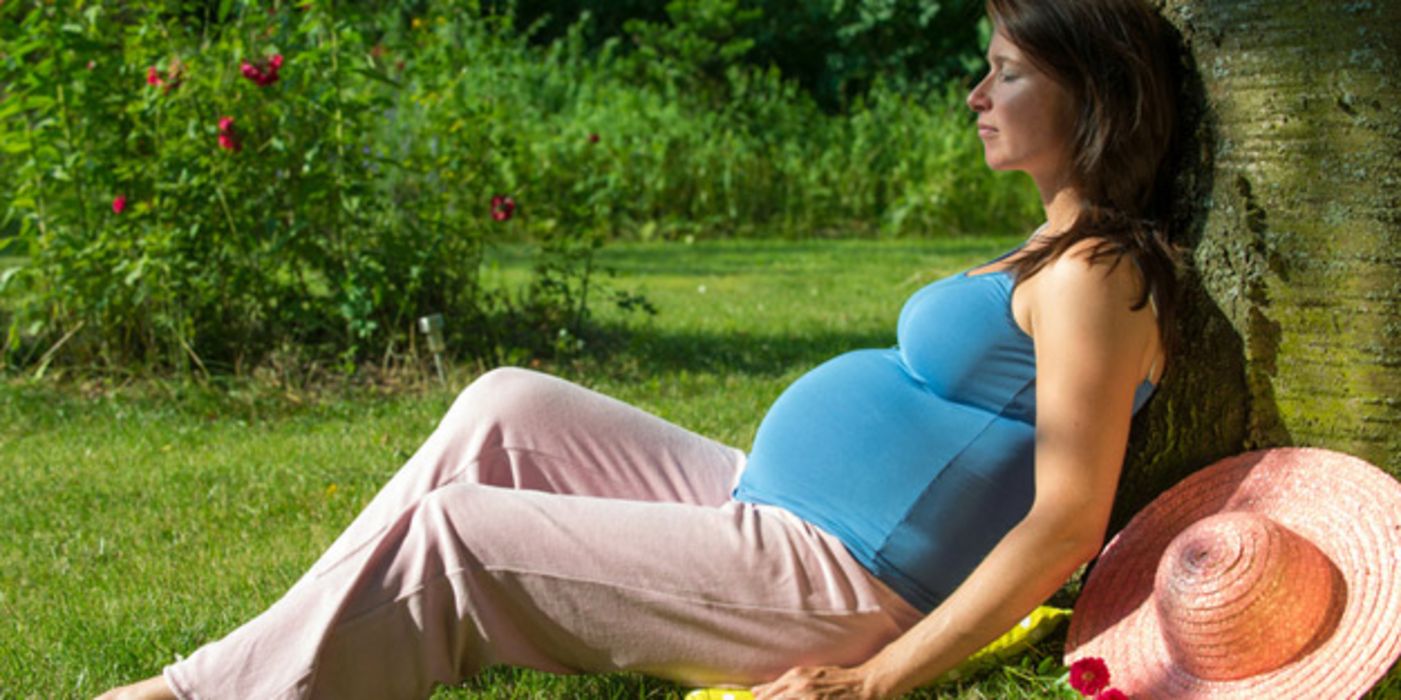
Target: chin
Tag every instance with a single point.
(996, 161)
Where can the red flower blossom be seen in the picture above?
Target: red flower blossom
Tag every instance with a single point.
(119, 204)
(91, 64)
(250, 72)
(166, 83)
(502, 207)
(1089, 675)
(263, 74)
(228, 140)
(1111, 694)
(593, 138)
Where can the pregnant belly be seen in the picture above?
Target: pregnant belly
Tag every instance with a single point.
(854, 443)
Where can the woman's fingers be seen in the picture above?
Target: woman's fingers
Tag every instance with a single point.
(813, 683)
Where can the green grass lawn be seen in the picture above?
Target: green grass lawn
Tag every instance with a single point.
(139, 522)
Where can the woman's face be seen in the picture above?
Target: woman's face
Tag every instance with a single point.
(1024, 117)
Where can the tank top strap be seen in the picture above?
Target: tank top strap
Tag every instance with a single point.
(1153, 305)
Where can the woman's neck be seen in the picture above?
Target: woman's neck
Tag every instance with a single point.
(1062, 208)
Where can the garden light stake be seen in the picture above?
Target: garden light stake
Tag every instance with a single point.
(432, 327)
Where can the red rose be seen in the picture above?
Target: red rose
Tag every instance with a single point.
(1089, 675)
(263, 74)
(502, 207)
(1111, 694)
(118, 204)
(228, 140)
(168, 82)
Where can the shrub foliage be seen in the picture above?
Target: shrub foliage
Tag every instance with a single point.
(835, 49)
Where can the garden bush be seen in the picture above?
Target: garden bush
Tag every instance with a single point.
(204, 187)
(201, 191)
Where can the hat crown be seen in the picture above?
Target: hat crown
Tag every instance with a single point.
(1239, 594)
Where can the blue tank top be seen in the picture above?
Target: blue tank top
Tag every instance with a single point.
(919, 458)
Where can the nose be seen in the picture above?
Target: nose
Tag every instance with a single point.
(977, 98)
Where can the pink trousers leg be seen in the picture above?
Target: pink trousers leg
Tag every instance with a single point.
(547, 526)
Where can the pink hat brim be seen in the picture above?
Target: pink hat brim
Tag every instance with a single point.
(1348, 508)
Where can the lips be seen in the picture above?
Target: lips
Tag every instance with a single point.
(984, 130)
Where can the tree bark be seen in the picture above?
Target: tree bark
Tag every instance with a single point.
(1290, 203)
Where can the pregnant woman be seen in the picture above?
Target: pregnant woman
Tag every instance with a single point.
(900, 508)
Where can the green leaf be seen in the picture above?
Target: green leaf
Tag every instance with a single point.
(15, 147)
(9, 108)
(7, 275)
(38, 103)
(377, 76)
(135, 274)
(21, 50)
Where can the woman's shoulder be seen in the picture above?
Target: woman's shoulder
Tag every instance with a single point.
(1093, 265)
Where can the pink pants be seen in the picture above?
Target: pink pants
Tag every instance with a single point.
(545, 525)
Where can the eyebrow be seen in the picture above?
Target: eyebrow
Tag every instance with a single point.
(998, 59)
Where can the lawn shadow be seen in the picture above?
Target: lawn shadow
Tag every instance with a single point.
(747, 256)
(729, 352)
(508, 682)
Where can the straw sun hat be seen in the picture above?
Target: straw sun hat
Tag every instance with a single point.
(1272, 574)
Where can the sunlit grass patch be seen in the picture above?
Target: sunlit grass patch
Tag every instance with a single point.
(143, 521)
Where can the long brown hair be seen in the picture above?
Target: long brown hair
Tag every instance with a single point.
(1117, 60)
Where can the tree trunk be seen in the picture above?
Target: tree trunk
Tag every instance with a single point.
(1291, 204)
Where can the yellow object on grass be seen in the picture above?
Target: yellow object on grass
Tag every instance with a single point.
(719, 694)
(1032, 629)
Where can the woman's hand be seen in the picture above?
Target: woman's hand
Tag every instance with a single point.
(818, 683)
